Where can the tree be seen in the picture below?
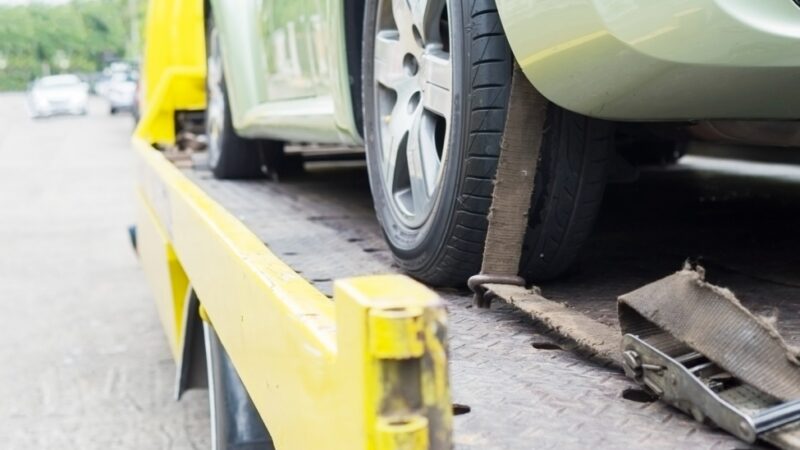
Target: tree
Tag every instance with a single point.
(82, 35)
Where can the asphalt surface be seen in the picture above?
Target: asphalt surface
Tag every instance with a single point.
(84, 362)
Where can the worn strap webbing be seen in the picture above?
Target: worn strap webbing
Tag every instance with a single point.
(519, 157)
(712, 321)
(588, 334)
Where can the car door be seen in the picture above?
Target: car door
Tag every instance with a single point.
(306, 95)
(288, 50)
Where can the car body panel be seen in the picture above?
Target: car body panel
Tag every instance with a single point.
(286, 69)
(665, 60)
(285, 37)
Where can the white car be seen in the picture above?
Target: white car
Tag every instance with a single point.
(58, 94)
(121, 92)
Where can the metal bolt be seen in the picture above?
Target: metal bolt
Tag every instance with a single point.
(631, 359)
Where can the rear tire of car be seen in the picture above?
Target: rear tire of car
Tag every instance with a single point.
(231, 156)
(447, 247)
(568, 192)
(235, 422)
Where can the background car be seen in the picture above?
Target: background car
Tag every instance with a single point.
(58, 94)
(425, 87)
(121, 91)
(102, 80)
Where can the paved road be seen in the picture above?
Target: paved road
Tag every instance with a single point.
(84, 362)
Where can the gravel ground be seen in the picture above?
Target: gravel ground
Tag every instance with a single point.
(85, 364)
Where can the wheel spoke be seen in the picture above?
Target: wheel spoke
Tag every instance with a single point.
(398, 128)
(436, 84)
(403, 18)
(388, 59)
(213, 74)
(431, 164)
(215, 108)
(423, 161)
(214, 66)
(425, 15)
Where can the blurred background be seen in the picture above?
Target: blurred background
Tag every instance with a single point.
(44, 37)
(86, 365)
(96, 42)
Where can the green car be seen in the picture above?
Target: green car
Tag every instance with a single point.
(423, 85)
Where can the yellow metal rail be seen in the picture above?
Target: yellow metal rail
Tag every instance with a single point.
(367, 370)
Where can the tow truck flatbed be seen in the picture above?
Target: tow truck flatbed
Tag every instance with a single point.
(521, 384)
(283, 279)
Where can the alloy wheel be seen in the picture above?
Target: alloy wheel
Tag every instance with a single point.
(215, 109)
(413, 92)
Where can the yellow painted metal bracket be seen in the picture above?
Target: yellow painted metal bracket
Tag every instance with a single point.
(367, 370)
(174, 69)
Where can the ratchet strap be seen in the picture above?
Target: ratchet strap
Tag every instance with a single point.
(694, 345)
(690, 343)
(513, 187)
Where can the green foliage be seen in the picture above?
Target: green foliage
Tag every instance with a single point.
(80, 36)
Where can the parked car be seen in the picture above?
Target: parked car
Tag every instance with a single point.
(121, 92)
(428, 91)
(58, 94)
(102, 81)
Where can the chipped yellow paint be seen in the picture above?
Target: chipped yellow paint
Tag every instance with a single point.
(407, 433)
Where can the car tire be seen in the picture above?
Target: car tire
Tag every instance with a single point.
(446, 246)
(235, 422)
(231, 156)
(568, 192)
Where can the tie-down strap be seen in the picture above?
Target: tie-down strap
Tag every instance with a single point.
(683, 315)
(513, 187)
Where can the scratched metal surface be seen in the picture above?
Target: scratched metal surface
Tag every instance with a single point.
(522, 397)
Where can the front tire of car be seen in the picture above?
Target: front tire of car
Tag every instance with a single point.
(231, 156)
(436, 81)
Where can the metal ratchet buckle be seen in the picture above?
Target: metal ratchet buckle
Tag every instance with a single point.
(700, 388)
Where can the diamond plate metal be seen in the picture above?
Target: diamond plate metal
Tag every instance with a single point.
(741, 228)
(520, 397)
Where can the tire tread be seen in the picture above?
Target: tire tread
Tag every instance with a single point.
(570, 180)
(491, 60)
